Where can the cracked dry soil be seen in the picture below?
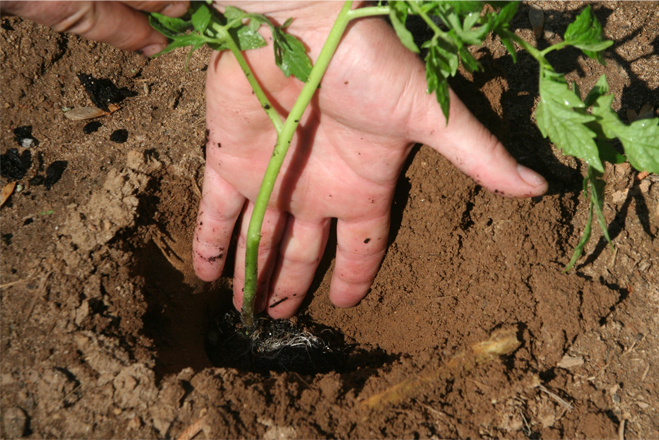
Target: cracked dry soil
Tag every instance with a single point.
(104, 325)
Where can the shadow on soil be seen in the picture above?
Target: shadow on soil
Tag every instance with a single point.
(190, 330)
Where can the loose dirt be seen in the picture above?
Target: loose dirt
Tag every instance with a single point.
(104, 327)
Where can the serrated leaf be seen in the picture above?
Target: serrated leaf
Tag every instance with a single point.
(174, 25)
(468, 61)
(565, 127)
(640, 139)
(201, 18)
(437, 72)
(502, 18)
(398, 18)
(585, 33)
(291, 57)
(231, 12)
(471, 20)
(599, 89)
(247, 39)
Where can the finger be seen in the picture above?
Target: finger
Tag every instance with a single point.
(299, 255)
(219, 209)
(272, 230)
(360, 248)
(108, 22)
(169, 8)
(474, 149)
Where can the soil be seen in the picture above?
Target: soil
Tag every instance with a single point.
(104, 326)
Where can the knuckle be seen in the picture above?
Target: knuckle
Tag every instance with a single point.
(81, 20)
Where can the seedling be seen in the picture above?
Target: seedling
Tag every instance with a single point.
(581, 128)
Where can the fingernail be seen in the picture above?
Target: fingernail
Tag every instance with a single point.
(530, 176)
(151, 49)
(175, 9)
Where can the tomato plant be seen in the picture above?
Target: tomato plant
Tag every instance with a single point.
(582, 127)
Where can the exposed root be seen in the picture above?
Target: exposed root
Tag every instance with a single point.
(500, 343)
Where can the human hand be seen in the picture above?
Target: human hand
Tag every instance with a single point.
(343, 163)
(118, 23)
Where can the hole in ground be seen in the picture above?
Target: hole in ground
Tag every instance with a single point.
(297, 345)
(177, 318)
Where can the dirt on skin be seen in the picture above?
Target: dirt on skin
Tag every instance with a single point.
(104, 326)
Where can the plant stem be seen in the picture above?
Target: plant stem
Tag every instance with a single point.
(278, 155)
(431, 24)
(258, 91)
(369, 12)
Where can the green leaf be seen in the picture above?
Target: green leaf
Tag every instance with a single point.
(231, 13)
(468, 61)
(182, 41)
(247, 39)
(174, 25)
(640, 139)
(398, 17)
(464, 7)
(502, 18)
(585, 236)
(196, 46)
(201, 18)
(439, 65)
(608, 153)
(597, 198)
(585, 33)
(599, 89)
(510, 46)
(566, 127)
(291, 56)
(500, 23)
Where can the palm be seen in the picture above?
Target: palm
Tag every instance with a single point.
(343, 162)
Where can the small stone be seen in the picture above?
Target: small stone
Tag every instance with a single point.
(15, 422)
(119, 136)
(570, 362)
(619, 196)
(82, 312)
(644, 186)
(135, 423)
(27, 142)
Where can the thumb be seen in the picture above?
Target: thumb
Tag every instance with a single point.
(473, 149)
(107, 22)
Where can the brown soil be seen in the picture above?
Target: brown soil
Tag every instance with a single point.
(104, 326)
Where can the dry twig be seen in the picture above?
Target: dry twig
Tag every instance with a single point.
(565, 404)
(500, 343)
(191, 431)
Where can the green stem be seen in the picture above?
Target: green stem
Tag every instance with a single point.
(278, 155)
(431, 24)
(256, 87)
(369, 12)
(535, 53)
